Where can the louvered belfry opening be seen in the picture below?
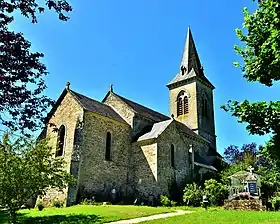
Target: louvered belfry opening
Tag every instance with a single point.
(179, 107)
(182, 104)
(186, 105)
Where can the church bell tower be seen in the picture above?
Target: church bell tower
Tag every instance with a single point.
(191, 95)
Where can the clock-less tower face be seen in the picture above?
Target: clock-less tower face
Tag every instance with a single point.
(191, 95)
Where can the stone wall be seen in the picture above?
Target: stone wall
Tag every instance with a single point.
(120, 107)
(182, 170)
(250, 205)
(97, 175)
(144, 164)
(68, 113)
(190, 119)
(206, 123)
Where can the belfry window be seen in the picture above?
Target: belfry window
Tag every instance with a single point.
(182, 104)
(60, 141)
(108, 146)
(172, 155)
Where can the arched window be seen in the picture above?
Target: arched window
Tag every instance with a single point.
(172, 151)
(186, 105)
(108, 146)
(60, 141)
(182, 103)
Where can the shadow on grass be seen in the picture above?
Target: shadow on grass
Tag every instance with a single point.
(54, 219)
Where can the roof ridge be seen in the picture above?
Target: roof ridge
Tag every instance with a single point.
(86, 97)
(125, 99)
(93, 105)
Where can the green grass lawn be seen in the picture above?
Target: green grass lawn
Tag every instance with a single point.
(83, 214)
(219, 216)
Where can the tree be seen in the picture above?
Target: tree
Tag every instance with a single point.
(261, 55)
(27, 170)
(233, 154)
(216, 192)
(193, 194)
(240, 159)
(268, 167)
(22, 103)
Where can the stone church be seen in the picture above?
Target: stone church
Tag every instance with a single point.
(122, 145)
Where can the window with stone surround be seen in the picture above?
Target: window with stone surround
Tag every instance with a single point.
(108, 146)
(182, 103)
(60, 141)
(172, 152)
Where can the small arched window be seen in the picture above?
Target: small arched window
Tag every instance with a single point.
(60, 141)
(108, 146)
(172, 152)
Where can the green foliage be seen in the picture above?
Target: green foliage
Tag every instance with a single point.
(27, 170)
(276, 203)
(192, 195)
(57, 203)
(166, 202)
(90, 202)
(269, 170)
(261, 55)
(254, 113)
(240, 159)
(261, 38)
(173, 203)
(21, 70)
(83, 214)
(216, 192)
(40, 205)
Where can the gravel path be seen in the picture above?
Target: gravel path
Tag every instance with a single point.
(152, 217)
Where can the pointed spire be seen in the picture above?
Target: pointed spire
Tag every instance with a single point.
(190, 59)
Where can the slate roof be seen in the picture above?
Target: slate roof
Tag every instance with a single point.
(158, 128)
(191, 63)
(144, 111)
(192, 74)
(206, 166)
(185, 129)
(96, 107)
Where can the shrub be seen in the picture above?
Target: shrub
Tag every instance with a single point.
(40, 206)
(165, 201)
(57, 203)
(276, 203)
(216, 192)
(192, 195)
(91, 202)
(173, 203)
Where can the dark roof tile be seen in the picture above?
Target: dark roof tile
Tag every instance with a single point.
(144, 111)
(97, 107)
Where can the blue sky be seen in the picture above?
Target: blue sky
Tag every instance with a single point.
(137, 46)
